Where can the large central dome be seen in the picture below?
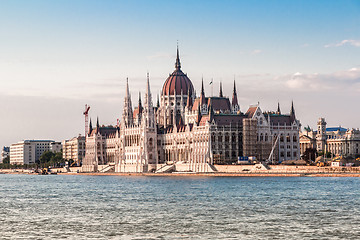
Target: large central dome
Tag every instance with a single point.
(178, 81)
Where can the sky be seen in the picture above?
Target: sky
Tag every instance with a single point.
(57, 56)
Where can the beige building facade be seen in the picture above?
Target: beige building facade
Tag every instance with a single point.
(338, 141)
(29, 151)
(74, 149)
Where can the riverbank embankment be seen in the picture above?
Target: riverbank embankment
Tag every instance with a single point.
(224, 171)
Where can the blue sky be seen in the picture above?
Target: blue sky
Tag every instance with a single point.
(55, 56)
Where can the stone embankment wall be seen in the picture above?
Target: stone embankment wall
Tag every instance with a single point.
(283, 169)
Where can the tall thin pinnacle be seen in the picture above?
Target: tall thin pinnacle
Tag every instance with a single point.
(177, 63)
(221, 92)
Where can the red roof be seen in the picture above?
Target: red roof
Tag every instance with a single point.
(203, 120)
(251, 111)
(218, 104)
(228, 119)
(179, 81)
(105, 131)
(280, 119)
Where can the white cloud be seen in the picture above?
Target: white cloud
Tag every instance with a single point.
(256, 51)
(352, 42)
(346, 81)
(342, 80)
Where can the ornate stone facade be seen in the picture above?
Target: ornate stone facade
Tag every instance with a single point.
(184, 132)
(335, 140)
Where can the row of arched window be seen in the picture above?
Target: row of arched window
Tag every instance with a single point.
(287, 138)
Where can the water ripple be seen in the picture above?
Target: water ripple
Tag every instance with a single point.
(112, 207)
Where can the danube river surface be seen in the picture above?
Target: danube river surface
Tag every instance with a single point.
(118, 207)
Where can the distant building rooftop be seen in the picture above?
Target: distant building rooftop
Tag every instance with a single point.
(334, 129)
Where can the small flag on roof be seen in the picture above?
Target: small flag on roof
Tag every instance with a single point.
(211, 82)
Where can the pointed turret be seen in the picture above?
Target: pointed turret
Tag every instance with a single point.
(90, 127)
(211, 112)
(139, 104)
(177, 63)
(158, 102)
(97, 125)
(234, 103)
(221, 91)
(148, 105)
(292, 112)
(202, 96)
(278, 112)
(127, 110)
(234, 96)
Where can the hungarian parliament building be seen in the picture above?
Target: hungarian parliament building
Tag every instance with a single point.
(189, 133)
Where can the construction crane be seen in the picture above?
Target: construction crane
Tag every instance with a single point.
(86, 114)
(271, 159)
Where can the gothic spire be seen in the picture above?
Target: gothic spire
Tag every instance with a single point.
(234, 97)
(90, 127)
(148, 98)
(278, 109)
(202, 86)
(221, 91)
(127, 110)
(97, 122)
(177, 63)
(147, 83)
(148, 105)
(211, 112)
(158, 102)
(292, 111)
(127, 93)
(140, 105)
(202, 96)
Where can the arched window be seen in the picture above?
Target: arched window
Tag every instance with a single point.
(213, 137)
(227, 139)
(233, 137)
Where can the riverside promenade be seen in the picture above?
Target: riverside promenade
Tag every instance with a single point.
(224, 171)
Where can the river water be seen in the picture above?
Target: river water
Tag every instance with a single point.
(118, 207)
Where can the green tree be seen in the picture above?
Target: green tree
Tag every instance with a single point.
(57, 157)
(45, 158)
(6, 160)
